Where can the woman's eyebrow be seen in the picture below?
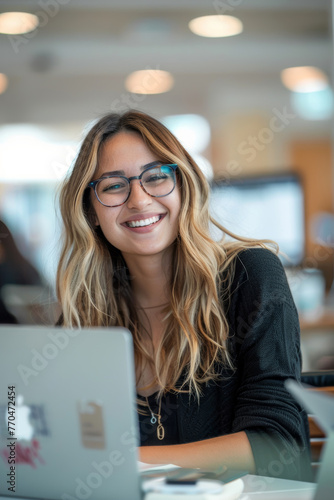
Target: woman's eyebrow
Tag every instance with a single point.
(121, 172)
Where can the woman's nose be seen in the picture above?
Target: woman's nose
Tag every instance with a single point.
(138, 198)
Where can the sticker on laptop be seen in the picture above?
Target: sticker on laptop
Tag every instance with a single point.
(91, 425)
(20, 425)
(30, 421)
(18, 453)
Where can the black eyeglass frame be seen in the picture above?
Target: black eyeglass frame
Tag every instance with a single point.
(93, 184)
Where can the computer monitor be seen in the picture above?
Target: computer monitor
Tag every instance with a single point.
(267, 206)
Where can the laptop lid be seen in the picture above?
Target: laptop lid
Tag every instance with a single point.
(321, 406)
(68, 420)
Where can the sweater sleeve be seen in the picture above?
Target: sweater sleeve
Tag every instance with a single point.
(265, 340)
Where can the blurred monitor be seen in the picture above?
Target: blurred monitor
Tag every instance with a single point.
(270, 207)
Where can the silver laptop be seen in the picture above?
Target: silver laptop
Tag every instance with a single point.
(321, 406)
(68, 421)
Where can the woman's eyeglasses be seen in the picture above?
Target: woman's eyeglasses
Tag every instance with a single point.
(156, 181)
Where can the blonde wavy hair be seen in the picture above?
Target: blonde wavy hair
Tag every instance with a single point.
(93, 282)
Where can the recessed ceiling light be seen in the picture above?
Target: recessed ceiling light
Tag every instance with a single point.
(3, 83)
(17, 23)
(304, 79)
(216, 26)
(149, 81)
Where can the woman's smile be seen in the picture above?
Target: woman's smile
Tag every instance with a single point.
(144, 222)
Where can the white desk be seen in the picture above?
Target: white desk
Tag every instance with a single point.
(264, 488)
(268, 488)
(255, 488)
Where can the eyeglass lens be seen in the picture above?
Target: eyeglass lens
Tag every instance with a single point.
(157, 181)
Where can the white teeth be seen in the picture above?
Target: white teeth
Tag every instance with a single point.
(143, 222)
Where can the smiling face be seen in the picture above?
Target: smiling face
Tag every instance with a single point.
(143, 225)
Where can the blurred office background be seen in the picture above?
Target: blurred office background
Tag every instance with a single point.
(255, 108)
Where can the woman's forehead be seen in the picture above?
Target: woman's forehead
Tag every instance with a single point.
(124, 150)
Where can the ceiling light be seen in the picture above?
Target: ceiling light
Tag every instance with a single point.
(3, 83)
(17, 23)
(149, 81)
(304, 79)
(216, 26)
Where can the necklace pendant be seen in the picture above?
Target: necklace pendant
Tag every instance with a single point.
(153, 419)
(160, 432)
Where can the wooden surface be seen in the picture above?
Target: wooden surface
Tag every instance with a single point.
(324, 322)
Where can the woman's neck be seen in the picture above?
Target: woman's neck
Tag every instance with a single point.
(150, 277)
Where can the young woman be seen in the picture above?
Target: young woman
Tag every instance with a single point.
(214, 326)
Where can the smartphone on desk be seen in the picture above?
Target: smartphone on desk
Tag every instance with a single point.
(191, 476)
(193, 482)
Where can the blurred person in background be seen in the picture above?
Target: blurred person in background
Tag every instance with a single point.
(14, 270)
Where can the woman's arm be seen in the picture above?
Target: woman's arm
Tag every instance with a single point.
(232, 450)
(266, 339)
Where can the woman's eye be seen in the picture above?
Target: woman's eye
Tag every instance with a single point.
(113, 187)
(156, 178)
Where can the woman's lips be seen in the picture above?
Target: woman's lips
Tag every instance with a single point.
(144, 224)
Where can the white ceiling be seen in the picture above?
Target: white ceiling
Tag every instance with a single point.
(73, 67)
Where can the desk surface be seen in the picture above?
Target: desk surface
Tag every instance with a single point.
(265, 488)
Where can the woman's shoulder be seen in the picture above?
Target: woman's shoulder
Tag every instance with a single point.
(257, 260)
(258, 268)
(260, 304)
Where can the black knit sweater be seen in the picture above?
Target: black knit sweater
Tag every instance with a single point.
(265, 346)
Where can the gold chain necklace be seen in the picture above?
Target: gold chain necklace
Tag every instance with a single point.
(154, 417)
(153, 307)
